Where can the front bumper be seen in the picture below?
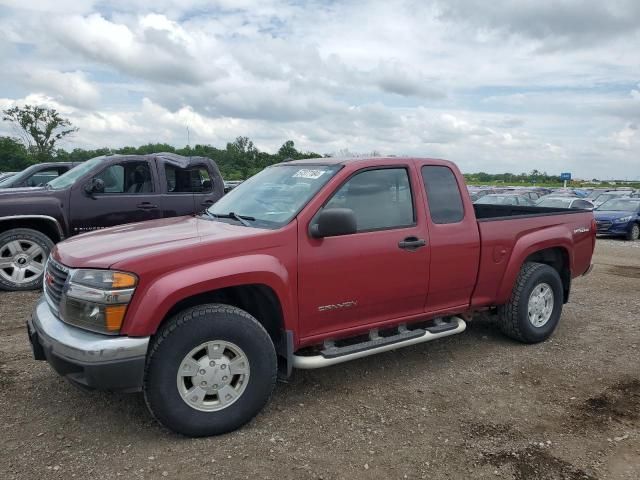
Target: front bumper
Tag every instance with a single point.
(606, 227)
(88, 359)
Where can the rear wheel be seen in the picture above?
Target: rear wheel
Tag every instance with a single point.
(211, 369)
(534, 310)
(23, 254)
(634, 233)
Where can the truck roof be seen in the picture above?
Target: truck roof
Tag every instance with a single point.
(345, 160)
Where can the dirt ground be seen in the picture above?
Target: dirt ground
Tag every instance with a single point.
(475, 405)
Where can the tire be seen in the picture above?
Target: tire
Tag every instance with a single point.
(514, 319)
(166, 390)
(23, 255)
(634, 233)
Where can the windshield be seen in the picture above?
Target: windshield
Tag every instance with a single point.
(555, 202)
(605, 197)
(67, 179)
(18, 177)
(620, 205)
(275, 195)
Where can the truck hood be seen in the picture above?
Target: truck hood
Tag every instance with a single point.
(106, 247)
(611, 215)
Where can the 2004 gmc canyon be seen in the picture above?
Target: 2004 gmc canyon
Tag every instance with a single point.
(307, 264)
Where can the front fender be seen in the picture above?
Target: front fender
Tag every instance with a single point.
(553, 237)
(151, 302)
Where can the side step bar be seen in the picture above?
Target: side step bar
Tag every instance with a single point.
(333, 355)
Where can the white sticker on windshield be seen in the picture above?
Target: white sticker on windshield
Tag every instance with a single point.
(312, 174)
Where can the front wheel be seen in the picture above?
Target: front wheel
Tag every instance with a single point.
(23, 254)
(634, 233)
(534, 310)
(211, 369)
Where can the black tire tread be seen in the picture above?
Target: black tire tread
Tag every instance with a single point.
(184, 317)
(508, 321)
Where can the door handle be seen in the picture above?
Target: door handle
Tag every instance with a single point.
(207, 203)
(412, 243)
(146, 206)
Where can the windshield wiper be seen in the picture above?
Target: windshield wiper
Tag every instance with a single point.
(240, 218)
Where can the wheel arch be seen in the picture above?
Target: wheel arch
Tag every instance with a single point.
(558, 259)
(258, 300)
(44, 224)
(538, 248)
(258, 284)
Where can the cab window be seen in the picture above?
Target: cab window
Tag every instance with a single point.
(380, 199)
(128, 177)
(188, 180)
(443, 194)
(43, 177)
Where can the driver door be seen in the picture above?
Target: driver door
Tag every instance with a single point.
(130, 195)
(368, 277)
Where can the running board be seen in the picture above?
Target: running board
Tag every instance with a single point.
(333, 355)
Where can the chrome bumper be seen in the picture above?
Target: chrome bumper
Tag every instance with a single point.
(89, 359)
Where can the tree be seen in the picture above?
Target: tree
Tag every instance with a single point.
(242, 155)
(13, 155)
(288, 150)
(39, 128)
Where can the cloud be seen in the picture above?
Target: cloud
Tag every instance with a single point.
(71, 88)
(153, 48)
(494, 86)
(556, 24)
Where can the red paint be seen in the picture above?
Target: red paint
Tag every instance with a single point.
(464, 266)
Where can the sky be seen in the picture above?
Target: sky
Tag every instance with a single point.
(499, 86)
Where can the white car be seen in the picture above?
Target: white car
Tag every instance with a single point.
(565, 202)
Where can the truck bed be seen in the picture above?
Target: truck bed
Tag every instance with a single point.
(509, 232)
(486, 213)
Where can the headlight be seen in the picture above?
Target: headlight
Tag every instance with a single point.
(97, 299)
(623, 219)
(104, 279)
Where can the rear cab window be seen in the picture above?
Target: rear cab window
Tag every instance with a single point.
(193, 179)
(443, 194)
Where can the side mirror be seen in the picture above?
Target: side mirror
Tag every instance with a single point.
(333, 222)
(96, 186)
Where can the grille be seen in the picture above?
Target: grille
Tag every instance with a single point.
(54, 281)
(603, 225)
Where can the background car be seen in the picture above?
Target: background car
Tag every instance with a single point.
(564, 202)
(477, 192)
(602, 197)
(619, 217)
(506, 199)
(37, 175)
(5, 175)
(231, 184)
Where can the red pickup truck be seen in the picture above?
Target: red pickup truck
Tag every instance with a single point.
(307, 264)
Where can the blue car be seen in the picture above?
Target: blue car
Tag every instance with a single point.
(619, 217)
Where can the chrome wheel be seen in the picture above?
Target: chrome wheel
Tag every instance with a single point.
(213, 376)
(21, 261)
(540, 306)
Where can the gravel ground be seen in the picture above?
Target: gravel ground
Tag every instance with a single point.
(474, 405)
